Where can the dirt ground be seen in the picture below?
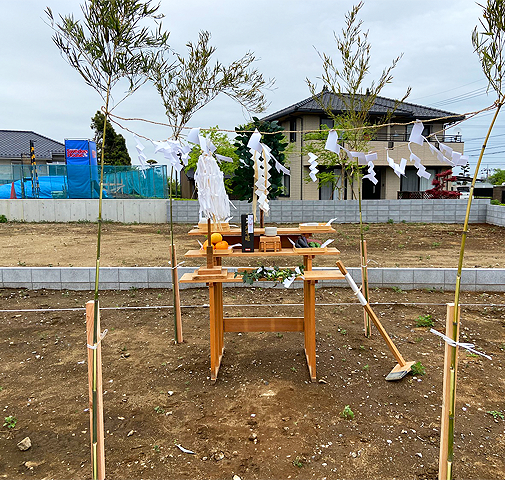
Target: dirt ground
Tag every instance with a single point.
(389, 245)
(262, 419)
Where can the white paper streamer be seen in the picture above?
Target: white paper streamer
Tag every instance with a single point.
(313, 166)
(453, 343)
(332, 142)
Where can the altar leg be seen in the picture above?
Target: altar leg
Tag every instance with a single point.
(309, 325)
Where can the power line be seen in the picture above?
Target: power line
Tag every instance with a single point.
(450, 90)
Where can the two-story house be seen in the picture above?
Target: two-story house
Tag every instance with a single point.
(308, 115)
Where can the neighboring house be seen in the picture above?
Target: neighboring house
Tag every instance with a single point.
(15, 154)
(308, 115)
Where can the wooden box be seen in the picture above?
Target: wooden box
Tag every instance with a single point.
(270, 244)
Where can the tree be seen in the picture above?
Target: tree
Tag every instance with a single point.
(110, 44)
(187, 84)
(347, 84)
(440, 186)
(498, 177)
(489, 44)
(116, 152)
(243, 180)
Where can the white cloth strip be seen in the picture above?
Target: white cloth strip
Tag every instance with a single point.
(355, 289)
(95, 346)
(453, 343)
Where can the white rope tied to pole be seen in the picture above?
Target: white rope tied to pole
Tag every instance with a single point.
(453, 343)
(95, 346)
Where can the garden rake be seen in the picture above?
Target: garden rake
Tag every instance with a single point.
(403, 367)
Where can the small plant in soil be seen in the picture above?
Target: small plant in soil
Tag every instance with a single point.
(398, 290)
(347, 413)
(157, 448)
(298, 462)
(366, 367)
(10, 421)
(418, 369)
(496, 414)
(424, 321)
(159, 409)
(3, 219)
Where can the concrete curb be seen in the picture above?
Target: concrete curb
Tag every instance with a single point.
(124, 278)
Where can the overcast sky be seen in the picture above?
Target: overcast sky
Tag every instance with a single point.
(39, 91)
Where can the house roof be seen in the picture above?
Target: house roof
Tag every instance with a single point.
(15, 143)
(381, 107)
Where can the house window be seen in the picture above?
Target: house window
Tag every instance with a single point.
(292, 128)
(326, 121)
(412, 183)
(335, 191)
(285, 186)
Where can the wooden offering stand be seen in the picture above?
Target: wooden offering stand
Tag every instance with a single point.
(214, 276)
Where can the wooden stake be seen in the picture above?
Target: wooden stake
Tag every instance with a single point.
(364, 285)
(95, 379)
(262, 219)
(448, 397)
(177, 298)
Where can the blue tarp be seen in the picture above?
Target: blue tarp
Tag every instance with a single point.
(56, 185)
(82, 170)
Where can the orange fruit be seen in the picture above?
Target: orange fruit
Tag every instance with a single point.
(222, 245)
(204, 246)
(216, 238)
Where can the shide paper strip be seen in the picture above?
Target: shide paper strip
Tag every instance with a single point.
(332, 142)
(313, 166)
(416, 135)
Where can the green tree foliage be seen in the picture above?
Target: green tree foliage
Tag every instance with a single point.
(116, 152)
(498, 177)
(243, 181)
(223, 147)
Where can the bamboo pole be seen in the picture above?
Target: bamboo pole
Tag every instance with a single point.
(94, 418)
(449, 395)
(455, 323)
(95, 392)
(175, 279)
(177, 297)
(364, 285)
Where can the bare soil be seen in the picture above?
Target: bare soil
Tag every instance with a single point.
(389, 245)
(263, 418)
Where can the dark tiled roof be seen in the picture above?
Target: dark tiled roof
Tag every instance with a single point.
(14, 143)
(381, 106)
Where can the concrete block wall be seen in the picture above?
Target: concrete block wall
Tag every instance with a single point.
(347, 211)
(124, 278)
(496, 215)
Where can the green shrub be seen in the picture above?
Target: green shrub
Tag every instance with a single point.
(418, 369)
(347, 413)
(424, 321)
(3, 219)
